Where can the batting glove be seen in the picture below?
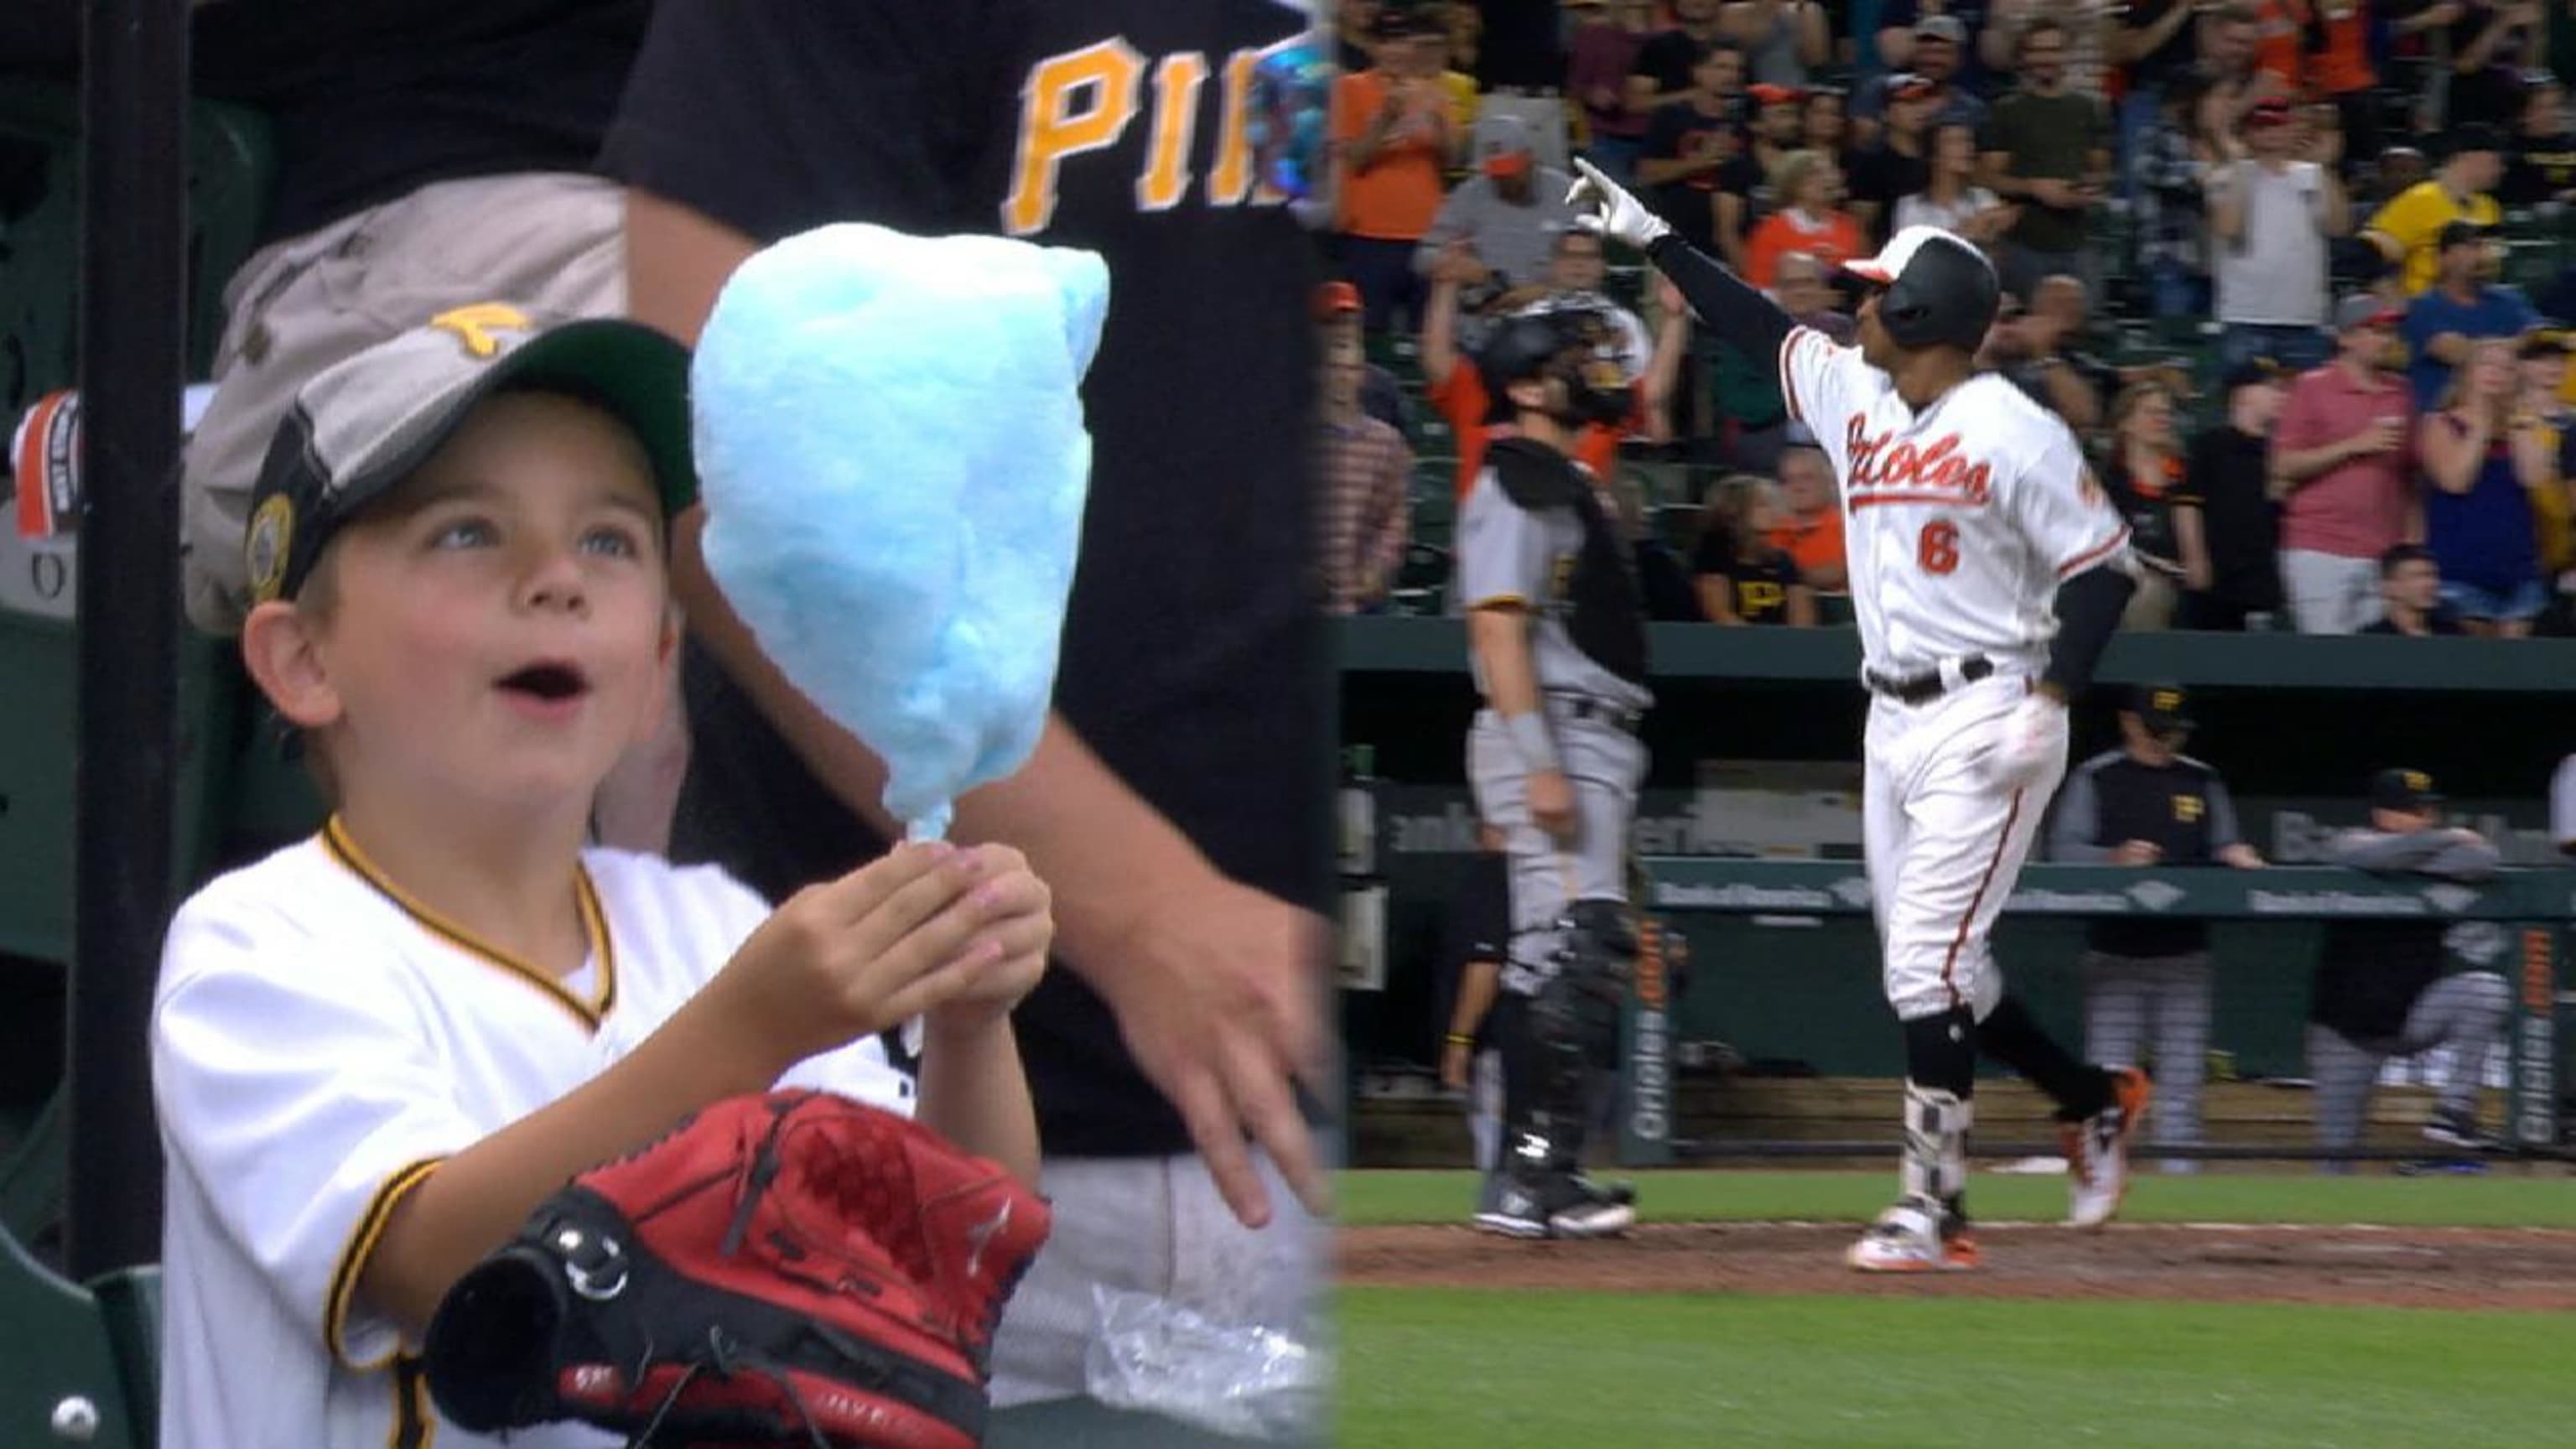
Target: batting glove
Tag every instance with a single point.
(2030, 741)
(1604, 208)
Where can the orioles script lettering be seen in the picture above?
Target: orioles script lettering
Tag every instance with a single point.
(1906, 473)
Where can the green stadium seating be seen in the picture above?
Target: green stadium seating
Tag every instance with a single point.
(73, 1345)
(230, 164)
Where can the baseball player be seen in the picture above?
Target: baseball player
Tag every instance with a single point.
(376, 1051)
(1988, 571)
(1557, 638)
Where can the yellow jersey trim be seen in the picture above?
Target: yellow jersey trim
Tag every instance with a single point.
(361, 1246)
(594, 925)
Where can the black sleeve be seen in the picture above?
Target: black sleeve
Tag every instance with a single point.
(1730, 308)
(2088, 614)
(774, 117)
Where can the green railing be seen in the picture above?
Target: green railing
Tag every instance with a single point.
(2538, 904)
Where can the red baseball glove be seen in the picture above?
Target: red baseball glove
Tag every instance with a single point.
(789, 1268)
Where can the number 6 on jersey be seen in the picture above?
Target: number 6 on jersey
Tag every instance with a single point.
(1937, 550)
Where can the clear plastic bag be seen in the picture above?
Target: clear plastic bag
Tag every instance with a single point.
(1251, 1381)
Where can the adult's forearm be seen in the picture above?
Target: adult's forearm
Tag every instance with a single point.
(1476, 989)
(2300, 465)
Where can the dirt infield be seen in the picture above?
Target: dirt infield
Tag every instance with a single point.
(2407, 1267)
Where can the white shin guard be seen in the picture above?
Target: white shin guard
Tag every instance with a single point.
(1936, 1144)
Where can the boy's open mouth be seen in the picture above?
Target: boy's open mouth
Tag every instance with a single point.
(549, 681)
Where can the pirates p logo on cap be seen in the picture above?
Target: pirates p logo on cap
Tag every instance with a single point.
(266, 545)
(475, 325)
(2168, 699)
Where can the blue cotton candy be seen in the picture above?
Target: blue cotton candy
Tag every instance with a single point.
(891, 449)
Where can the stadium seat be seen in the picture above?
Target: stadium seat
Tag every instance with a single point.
(84, 1362)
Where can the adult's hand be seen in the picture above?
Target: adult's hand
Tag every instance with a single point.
(1221, 1000)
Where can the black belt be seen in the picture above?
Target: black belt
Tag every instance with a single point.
(1584, 706)
(1928, 686)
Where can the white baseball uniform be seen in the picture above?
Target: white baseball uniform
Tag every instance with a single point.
(1959, 524)
(319, 1045)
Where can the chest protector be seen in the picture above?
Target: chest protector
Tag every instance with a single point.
(1603, 609)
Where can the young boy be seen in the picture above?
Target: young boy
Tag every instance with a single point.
(377, 1051)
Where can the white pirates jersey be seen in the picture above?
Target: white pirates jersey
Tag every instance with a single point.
(1959, 522)
(319, 1045)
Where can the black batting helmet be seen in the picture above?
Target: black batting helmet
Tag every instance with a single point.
(1939, 289)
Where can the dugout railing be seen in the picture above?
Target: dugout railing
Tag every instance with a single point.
(2533, 908)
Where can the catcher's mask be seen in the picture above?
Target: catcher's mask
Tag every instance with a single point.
(1577, 348)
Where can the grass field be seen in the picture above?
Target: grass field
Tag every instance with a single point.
(1498, 1370)
(2504, 1198)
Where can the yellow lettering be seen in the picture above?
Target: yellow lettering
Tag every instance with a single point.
(1759, 596)
(1232, 179)
(474, 325)
(1079, 101)
(1177, 82)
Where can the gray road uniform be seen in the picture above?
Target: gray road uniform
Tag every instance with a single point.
(1532, 531)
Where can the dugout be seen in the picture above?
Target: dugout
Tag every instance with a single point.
(2296, 724)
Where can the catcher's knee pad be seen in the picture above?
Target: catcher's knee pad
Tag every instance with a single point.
(1936, 1143)
(1594, 966)
(789, 1267)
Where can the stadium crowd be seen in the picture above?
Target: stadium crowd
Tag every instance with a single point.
(2295, 271)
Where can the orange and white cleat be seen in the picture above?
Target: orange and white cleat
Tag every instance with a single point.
(2097, 1151)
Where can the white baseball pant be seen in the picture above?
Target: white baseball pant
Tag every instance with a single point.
(1943, 846)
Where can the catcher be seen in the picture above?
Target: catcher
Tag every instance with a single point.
(378, 1052)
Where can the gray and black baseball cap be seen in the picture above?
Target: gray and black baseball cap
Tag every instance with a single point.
(363, 425)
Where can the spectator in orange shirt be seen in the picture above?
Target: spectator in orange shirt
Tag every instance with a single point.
(1394, 133)
(2340, 70)
(2280, 42)
(1812, 536)
(1810, 219)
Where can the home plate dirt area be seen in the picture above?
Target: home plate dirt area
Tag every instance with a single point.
(2524, 1268)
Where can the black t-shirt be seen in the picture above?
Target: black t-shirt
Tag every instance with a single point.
(1192, 657)
(2538, 168)
(2168, 63)
(369, 101)
(2147, 504)
(2183, 810)
(1478, 928)
(2240, 524)
(1666, 55)
(1759, 587)
(1885, 175)
(2491, 95)
(1520, 45)
(1675, 131)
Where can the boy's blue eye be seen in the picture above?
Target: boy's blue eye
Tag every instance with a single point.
(614, 542)
(464, 533)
